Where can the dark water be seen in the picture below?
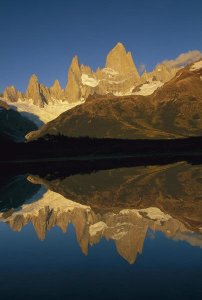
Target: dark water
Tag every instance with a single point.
(127, 233)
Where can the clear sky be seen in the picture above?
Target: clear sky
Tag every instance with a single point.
(41, 37)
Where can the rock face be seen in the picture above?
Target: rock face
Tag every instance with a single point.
(12, 94)
(163, 73)
(121, 62)
(118, 76)
(56, 91)
(172, 111)
(37, 92)
(72, 90)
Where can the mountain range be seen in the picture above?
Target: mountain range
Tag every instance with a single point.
(119, 77)
(172, 111)
(116, 101)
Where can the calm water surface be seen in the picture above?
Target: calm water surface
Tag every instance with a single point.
(130, 233)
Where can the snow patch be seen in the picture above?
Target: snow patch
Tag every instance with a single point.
(90, 81)
(148, 88)
(196, 66)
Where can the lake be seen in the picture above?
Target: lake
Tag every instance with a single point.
(126, 233)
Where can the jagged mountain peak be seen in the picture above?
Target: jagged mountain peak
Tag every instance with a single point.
(72, 90)
(119, 77)
(34, 91)
(121, 61)
(119, 47)
(56, 90)
(33, 78)
(33, 82)
(75, 59)
(56, 85)
(12, 94)
(75, 64)
(11, 87)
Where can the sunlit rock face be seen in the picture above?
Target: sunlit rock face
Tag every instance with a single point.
(36, 93)
(72, 90)
(121, 61)
(122, 205)
(117, 77)
(12, 94)
(56, 90)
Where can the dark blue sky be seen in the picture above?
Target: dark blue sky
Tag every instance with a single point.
(42, 36)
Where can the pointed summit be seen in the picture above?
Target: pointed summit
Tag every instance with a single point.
(32, 85)
(75, 67)
(10, 93)
(119, 47)
(34, 91)
(121, 61)
(56, 90)
(56, 85)
(72, 90)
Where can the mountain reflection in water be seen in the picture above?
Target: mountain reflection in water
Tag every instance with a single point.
(121, 205)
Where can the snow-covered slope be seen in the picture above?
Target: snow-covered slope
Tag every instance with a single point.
(148, 88)
(40, 115)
